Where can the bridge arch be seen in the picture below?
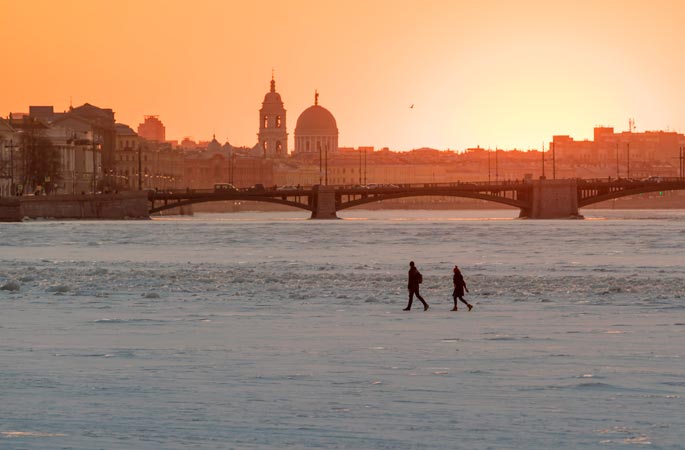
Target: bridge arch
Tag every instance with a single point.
(248, 198)
(465, 194)
(628, 191)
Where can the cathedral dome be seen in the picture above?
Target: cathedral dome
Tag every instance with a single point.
(316, 120)
(316, 130)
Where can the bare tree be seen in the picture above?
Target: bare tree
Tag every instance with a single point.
(40, 162)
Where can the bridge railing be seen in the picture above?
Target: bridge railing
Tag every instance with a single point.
(647, 180)
(271, 190)
(453, 184)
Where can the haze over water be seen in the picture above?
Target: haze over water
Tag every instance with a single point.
(265, 330)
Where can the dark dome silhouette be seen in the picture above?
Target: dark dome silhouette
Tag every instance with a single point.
(315, 120)
(272, 97)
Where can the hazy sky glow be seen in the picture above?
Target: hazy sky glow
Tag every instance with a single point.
(484, 73)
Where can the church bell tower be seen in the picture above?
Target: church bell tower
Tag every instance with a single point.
(273, 137)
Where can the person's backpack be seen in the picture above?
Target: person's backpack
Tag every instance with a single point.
(419, 278)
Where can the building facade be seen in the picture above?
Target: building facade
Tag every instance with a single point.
(623, 155)
(141, 164)
(79, 151)
(100, 123)
(152, 129)
(80, 160)
(204, 168)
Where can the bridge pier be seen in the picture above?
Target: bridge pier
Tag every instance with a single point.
(553, 199)
(324, 203)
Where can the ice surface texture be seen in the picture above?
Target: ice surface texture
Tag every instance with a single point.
(268, 331)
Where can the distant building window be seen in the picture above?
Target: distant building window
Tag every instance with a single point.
(278, 121)
(279, 147)
(266, 122)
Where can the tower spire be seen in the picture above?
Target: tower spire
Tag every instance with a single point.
(316, 96)
(273, 81)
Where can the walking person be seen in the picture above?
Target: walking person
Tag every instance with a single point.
(415, 278)
(459, 286)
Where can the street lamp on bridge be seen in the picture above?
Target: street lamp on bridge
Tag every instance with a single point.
(496, 165)
(554, 161)
(231, 174)
(365, 167)
(489, 164)
(140, 168)
(323, 169)
(326, 164)
(318, 144)
(360, 166)
(628, 161)
(11, 147)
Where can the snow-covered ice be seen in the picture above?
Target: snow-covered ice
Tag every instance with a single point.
(264, 331)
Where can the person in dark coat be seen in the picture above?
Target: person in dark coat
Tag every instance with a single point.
(459, 286)
(415, 278)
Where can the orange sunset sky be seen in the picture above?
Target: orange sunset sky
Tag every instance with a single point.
(489, 73)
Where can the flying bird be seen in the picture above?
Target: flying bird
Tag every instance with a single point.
(412, 106)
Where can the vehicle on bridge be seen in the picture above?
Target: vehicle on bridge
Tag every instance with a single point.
(653, 179)
(256, 188)
(224, 187)
(380, 186)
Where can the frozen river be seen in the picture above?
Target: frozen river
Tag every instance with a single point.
(266, 330)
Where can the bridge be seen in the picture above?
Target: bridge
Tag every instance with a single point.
(536, 199)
